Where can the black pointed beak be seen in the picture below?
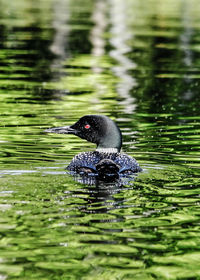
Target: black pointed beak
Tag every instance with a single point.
(61, 130)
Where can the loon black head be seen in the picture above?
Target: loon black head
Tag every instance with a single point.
(97, 129)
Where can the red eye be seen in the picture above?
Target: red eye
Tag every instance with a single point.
(87, 126)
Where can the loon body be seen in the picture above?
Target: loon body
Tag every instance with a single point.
(106, 159)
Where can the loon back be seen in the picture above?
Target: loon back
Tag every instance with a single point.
(108, 163)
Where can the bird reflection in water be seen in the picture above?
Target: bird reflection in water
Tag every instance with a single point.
(101, 191)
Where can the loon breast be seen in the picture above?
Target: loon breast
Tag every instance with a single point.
(100, 162)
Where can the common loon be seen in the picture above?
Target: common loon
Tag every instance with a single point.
(106, 159)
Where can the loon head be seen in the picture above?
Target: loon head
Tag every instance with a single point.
(97, 129)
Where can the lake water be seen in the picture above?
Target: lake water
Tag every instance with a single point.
(137, 62)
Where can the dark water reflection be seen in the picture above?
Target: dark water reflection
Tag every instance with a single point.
(137, 62)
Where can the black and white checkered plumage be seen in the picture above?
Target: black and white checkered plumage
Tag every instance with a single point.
(96, 160)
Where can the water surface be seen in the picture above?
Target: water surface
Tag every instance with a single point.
(138, 63)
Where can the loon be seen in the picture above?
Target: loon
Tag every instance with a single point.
(107, 159)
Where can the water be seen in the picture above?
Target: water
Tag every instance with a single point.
(137, 62)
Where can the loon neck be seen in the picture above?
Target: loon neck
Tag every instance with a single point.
(109, 138)
(107, 150)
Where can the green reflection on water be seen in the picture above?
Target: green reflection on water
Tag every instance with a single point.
(56, 225)
(137, 62)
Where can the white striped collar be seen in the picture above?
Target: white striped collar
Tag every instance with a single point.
(107, 150)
